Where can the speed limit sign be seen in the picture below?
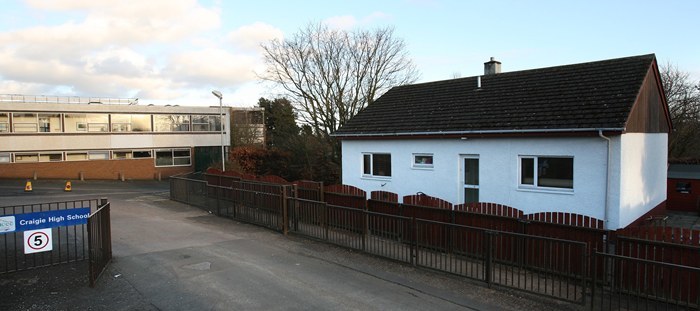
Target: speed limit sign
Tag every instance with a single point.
(36, 241)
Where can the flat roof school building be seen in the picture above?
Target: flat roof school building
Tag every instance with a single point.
(96, 138)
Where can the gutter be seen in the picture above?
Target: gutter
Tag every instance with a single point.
(607, 180)
(599, 130)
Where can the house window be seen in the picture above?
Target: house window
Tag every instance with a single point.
(5, 158)
(683, 187)
(173, 157)
(376, 164)
(546, 172)
(423, 160)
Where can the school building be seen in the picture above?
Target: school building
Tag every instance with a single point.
(98, 138)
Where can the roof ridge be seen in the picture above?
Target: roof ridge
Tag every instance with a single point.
(641, 56)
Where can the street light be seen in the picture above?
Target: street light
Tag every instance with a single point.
(221, 126)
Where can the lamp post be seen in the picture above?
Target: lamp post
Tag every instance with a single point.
(221, 126)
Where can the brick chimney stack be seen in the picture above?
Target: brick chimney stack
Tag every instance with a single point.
(492, 67)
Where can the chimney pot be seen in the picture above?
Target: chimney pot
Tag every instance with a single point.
(492, 67)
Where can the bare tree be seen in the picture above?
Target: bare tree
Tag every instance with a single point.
(683, 97)
(330, 75)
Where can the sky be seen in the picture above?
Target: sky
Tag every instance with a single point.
(178, 51)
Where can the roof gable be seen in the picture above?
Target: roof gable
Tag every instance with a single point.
(595, 95)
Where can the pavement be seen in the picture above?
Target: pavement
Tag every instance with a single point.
(171, 256)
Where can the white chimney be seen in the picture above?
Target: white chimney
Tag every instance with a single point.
(492, 67)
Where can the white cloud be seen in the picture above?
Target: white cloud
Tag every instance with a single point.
(127, 49)
(212, 67)
(250, 37)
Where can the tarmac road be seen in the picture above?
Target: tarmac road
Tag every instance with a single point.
(170, 256)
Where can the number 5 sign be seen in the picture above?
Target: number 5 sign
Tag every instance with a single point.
(36, 241)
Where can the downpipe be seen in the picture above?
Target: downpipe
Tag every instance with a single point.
(607, 180)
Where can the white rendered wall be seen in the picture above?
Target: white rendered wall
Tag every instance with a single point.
(499, 171)
(643, 176)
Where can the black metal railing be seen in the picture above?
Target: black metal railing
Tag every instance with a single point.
(546, 266)
(639, 284)
(70, 243)
(100, 241)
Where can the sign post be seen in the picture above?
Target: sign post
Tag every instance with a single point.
(36, 241)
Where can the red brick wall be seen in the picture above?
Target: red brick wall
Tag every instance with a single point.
(96, 169)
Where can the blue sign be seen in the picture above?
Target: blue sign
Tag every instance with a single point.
(43, 220)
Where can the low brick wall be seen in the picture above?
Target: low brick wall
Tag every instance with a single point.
(96, 169)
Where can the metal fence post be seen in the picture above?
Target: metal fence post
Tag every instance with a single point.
(595, 277)
(414, 241)
(365, 228)
(285, 212)
(324, 220)
(488, 257)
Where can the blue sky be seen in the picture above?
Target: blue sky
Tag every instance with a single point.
(177, 51)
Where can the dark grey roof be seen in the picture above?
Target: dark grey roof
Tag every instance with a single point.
(595, 95)
(684, 171)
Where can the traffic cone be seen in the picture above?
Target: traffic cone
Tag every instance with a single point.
(28, 186)
(68, 187)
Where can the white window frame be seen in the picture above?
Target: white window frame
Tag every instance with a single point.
(371, 168)
(5, 155)
(416, 165)
(534, 185)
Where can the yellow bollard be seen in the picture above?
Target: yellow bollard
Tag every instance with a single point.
(68, 187)
(28, 186)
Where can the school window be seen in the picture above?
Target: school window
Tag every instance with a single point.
(26, 157)
(76, 156)
(140, 154)
(51, 157)
(98, 155)
(24, 122)
(97, 122)
(376, 164)
(49, 122)
(4, 122)
(173, 157)
(5, 158)
(131, 122)
(423, 160)
(122, 154)
(546, 172)
(202, 123)
(171, 123)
